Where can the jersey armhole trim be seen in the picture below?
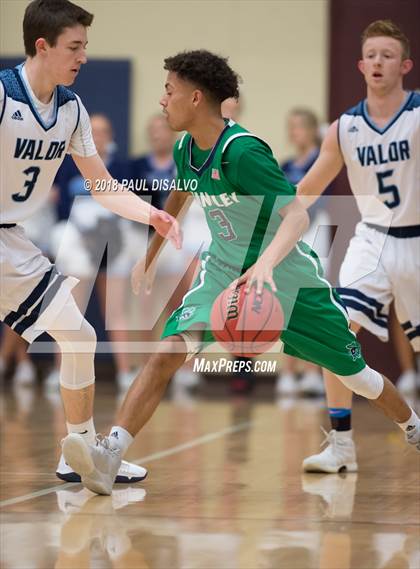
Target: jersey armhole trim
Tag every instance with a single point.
(238, 135)
(4, 101)
(78, 115)
(338, 135)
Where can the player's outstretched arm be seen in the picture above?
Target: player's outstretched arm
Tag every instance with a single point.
(144, 270)
(295, 222)
(111, 195)
(324, 170)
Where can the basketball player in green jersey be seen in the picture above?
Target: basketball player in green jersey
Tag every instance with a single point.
(255, 222)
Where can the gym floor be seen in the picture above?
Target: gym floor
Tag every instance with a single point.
(225, 490)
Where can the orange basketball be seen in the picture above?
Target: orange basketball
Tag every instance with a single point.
(246, 324)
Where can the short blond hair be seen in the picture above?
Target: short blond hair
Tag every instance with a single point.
(389, 29)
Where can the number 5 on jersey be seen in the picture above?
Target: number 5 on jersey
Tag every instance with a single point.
(383, 189)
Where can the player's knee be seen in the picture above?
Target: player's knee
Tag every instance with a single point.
(77, 370)
(80, 341)
(170, 356)
(367, 382)
(77, 373)
(193, 342)
(72, 332)
(76, 339)
(88, 337)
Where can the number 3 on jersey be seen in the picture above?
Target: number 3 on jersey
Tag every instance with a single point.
(32, 172)
(384, 189)
(227, 233)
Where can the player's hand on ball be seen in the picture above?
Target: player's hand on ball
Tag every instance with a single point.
(167, 226)
(140, 277)
(258, 275)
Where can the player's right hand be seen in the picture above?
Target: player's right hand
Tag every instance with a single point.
(140, 277)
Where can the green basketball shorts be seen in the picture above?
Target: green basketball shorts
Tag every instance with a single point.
(316, 322)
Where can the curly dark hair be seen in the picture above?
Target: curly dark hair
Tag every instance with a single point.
(208, 71)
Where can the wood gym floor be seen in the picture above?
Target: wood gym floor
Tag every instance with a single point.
(225, 491)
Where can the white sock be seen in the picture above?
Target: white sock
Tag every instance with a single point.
(412, 422)
(344, 434)
(121, 438)
(86, 429)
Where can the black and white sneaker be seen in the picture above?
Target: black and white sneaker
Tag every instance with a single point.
(412, 436)
(128, 472)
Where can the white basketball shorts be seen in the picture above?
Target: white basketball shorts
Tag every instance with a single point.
(32, 291)
(376, 270)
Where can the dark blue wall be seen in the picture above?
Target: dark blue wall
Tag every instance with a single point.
(104, 87)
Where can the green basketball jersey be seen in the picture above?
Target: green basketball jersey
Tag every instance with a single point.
(240, 186)
(241, 189)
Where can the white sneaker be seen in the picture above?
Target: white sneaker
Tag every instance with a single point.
(186, 377)
(412, 436)
(52, 381)
(25, 373)
(125, 379)
(407, 382)
(70, 502)
(286, 384)
(311, 384)
(123, 497)
(340, 454)
(97, 464)
(337, 491)
(128, 472)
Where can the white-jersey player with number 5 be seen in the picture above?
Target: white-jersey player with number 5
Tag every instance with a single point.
(40, 121)
(378, 141)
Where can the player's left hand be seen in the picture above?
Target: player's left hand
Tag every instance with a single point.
(258, 275)
(167, 226)
(140, 276)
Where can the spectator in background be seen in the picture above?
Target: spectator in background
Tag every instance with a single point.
(78, 245)
(303, 134)
(13, 347)
(158, 164)
(148, 171)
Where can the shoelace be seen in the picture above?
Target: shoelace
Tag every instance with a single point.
(104, 442)
(330, 438)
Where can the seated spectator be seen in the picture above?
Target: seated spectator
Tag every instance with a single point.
(158, 164)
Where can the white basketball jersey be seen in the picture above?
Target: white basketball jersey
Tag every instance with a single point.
(31, 149)
(384, 163)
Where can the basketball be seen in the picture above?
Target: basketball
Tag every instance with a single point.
(246, 324)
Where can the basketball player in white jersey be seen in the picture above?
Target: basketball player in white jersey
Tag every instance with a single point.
(379, 142)
(41, 121)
